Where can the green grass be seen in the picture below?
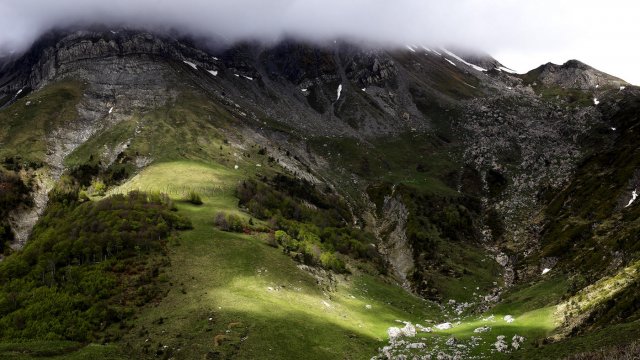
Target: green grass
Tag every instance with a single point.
(55, 350)
(192, 127)
(386, 160)
(222, 276)
(614, 335)
(527, 297)
(23, 128)
(480, 271)
(227, 277)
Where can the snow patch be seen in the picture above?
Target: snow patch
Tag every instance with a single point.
(622, 88)
(247, 77)
(339, 91)
(191, 64)
(614, 129)
(476, 67)
(213, 72)
(545, 270)
(364, 89)
(236, 167)
(451, 62)
(596, 101)
(506, 69)
(111, 110)
(411, 48)
(634, 196)
(19, 92)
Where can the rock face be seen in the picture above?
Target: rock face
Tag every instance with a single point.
(395, 246)
(576, 75)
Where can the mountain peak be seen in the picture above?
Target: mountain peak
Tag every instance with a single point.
(573, 74)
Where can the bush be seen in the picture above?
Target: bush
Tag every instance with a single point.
(229, 222)
(98, 187)
(330, 261)
(194, 198)
(269, 239)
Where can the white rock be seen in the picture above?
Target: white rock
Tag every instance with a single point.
(236, 167)
(408, 330)
(482, 329)
(368, 307)
(394, 333)
(501, 345)
(545, 270)
(509, 319)
(444, 326)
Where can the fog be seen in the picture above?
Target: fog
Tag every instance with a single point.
(521, 34)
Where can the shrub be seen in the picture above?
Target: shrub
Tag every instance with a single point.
(194, 198)
(269, 239)
(229, 222)
(98, 187)
(330, 261)
(221, 222)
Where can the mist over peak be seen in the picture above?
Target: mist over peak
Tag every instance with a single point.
(522, 35)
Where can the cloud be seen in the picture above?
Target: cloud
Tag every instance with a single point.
(525, 33)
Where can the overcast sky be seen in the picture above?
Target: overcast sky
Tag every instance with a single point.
(522, 34)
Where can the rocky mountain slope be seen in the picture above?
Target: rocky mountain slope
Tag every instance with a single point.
(460, 174)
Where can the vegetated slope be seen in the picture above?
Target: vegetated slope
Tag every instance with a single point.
(428, 171)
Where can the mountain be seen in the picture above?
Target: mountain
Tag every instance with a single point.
(297, 199)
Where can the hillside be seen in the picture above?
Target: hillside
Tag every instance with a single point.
(311, 200)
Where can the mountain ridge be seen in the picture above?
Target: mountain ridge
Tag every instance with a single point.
(456, 176)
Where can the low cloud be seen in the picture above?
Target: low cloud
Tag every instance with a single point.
(510, 29)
